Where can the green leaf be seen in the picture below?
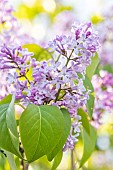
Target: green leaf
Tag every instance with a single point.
(41, 128)
(89, 144)
(39, 52)
(11, 160)
(57, 160)
(6, 99)
(88, 85)
(90, 103)
(92, 67)
(2, 161)
(9, 139)
(64, 136)
(84, 120)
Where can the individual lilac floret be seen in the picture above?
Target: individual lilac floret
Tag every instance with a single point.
(103, 87)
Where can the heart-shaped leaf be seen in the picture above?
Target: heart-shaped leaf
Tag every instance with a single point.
(41, 128)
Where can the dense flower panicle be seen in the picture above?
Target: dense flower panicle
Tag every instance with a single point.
(84, 42)
(9, 35)
(49, 82)
(103, 86)
(10, 58)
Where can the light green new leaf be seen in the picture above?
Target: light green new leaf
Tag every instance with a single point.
(6, 99)
(64, 136)
(9, 139)
(89, 144)
(57, 160)
(92, 67)
(39, 52)
(96, 19)
(11, 160)
(90, 103)
(84, 120)
(41, 128)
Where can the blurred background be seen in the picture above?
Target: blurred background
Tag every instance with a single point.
(43, 19)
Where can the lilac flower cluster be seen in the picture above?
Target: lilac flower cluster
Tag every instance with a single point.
(79, 47)
(106, 37)
(103, 86)
(53, 82)
(13, 59)
(9, 34)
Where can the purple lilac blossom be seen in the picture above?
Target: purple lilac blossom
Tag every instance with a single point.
(9, 35)
(52, 82)
(103, 87)
(82, 43)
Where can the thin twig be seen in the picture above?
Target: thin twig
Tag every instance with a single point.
(72, 161)
(69, 57)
